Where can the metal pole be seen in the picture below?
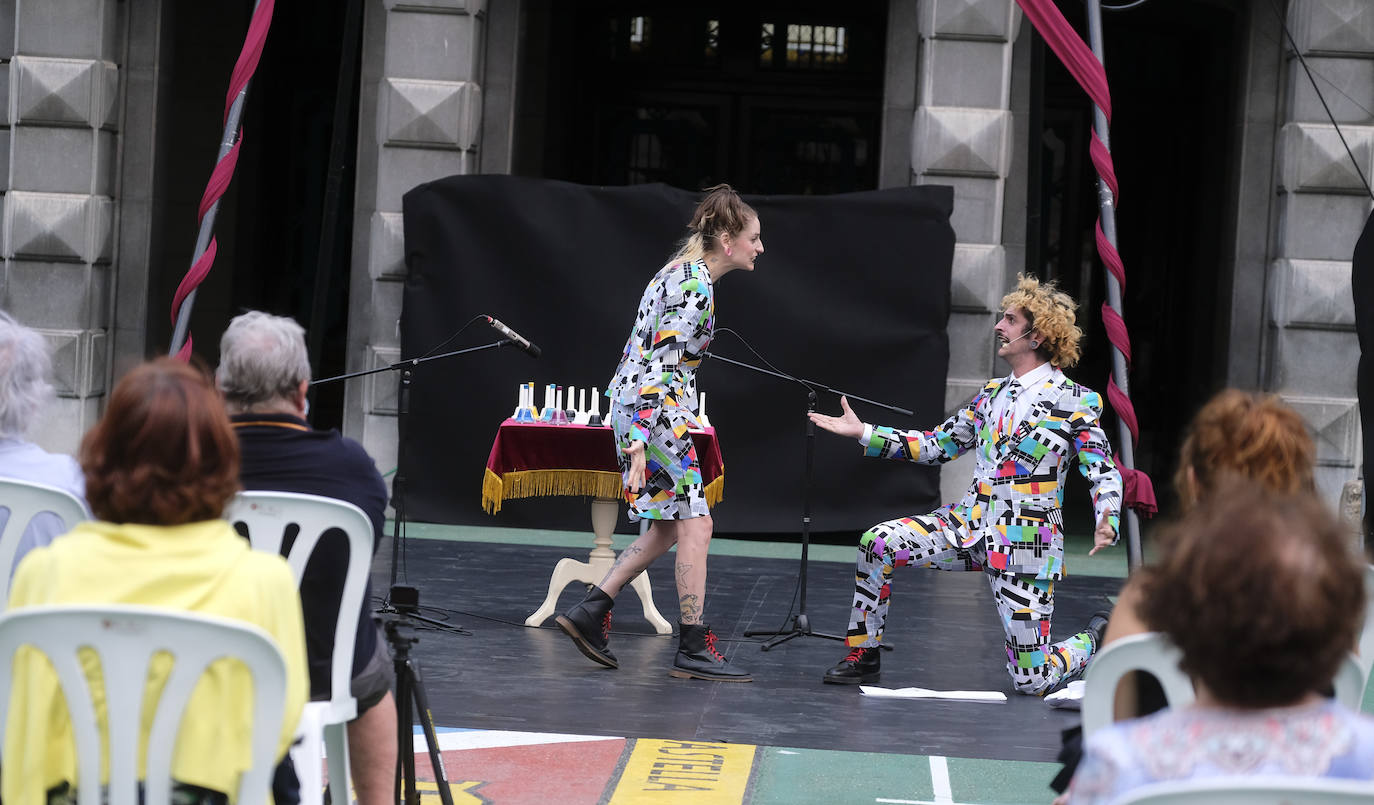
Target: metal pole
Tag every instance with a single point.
(207, 224)
(1107, 204)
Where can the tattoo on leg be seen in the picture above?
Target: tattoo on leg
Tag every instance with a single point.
(682, 569)
(689, 608)
(632, 549)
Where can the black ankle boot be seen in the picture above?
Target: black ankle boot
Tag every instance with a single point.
(697, 657)
(589, 625)
(859, 666)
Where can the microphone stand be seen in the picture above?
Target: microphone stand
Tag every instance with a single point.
(801, 622)
(403, 602)
(398, 484)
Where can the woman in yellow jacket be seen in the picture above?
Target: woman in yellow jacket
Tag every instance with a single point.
(160, 466)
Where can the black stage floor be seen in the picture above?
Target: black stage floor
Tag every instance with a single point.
(943, 627)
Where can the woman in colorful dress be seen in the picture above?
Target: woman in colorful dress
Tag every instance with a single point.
(653, 405)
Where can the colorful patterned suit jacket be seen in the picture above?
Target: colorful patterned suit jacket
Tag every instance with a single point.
(1014, 506)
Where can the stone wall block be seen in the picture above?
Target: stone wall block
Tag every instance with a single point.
(53, 159)
(963, 73)
(470, 7)
(1319, 226)
(382, 386)
(434, 114)
(401, 169)
(1332, 26)
(387, 255)
(51, 91)
(977, 277)
(439, 47)
(105, 97)
(1315, 159)
(1346, 86)
(61, 27)
(972, 19)
(386, 314)
(969, 352)
(1313, 293)
(58, 296)
(957, 141)
(1309, 361)
(100, 212)
(977, 216)
(1335, 427)
(46, 226)
(67, 360)
(5, 74)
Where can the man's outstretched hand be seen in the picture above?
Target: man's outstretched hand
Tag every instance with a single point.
(1103, 536)
(847, 424)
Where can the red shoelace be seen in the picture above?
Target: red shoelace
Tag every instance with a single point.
(606, 627)
(711, 646)
(856, 654)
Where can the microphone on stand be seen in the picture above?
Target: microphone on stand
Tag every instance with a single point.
(520, 340)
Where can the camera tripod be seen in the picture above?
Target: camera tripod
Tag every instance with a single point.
(410, 690)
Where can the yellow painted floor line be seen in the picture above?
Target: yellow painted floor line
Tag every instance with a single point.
(696, 772)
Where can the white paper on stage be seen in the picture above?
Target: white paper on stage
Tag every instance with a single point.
(1068, 698)
(926, 693)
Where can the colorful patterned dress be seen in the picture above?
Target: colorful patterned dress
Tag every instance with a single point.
(654, 391)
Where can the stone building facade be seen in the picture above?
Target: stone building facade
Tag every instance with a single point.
(86, 85)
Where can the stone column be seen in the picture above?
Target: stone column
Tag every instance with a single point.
(60, 60)
(1310, 344)
(963, 137)
(419, 119)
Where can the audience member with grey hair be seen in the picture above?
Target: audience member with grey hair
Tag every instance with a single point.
(25, 390)
(263, 362)
(264, 374)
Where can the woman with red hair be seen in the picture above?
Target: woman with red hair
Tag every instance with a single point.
(160, 466)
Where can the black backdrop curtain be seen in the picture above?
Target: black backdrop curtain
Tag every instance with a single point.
(852, 291)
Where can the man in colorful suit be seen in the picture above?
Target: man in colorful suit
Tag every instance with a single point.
(1025, 429)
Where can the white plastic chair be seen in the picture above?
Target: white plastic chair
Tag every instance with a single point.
(267, 515)
(25, 501)
(126, 638)
(1151, 652)
(1261, 790)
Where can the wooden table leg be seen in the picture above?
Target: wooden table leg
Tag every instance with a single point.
(599, 561)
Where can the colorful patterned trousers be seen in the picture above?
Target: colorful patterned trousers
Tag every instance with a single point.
(1024, 603)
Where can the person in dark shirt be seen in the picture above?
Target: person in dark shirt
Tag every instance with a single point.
(263, 374)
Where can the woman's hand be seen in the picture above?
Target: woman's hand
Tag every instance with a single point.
(847, 424)
(636, 453)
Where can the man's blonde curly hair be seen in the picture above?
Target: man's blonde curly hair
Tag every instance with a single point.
(1051, 312)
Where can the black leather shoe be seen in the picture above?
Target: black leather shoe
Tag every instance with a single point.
(697, 657)
(861, 665)
(589, 625)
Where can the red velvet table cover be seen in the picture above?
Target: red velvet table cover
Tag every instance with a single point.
(539, 459)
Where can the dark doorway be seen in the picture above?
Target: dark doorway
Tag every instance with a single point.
(1175, 72)
(271, 255)
(773, 97)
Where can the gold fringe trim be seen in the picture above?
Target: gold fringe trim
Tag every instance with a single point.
(542, 483)
(491, 492)
(715, 491)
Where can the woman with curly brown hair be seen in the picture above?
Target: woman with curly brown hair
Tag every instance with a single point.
(1263, 596)
(160, 466)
